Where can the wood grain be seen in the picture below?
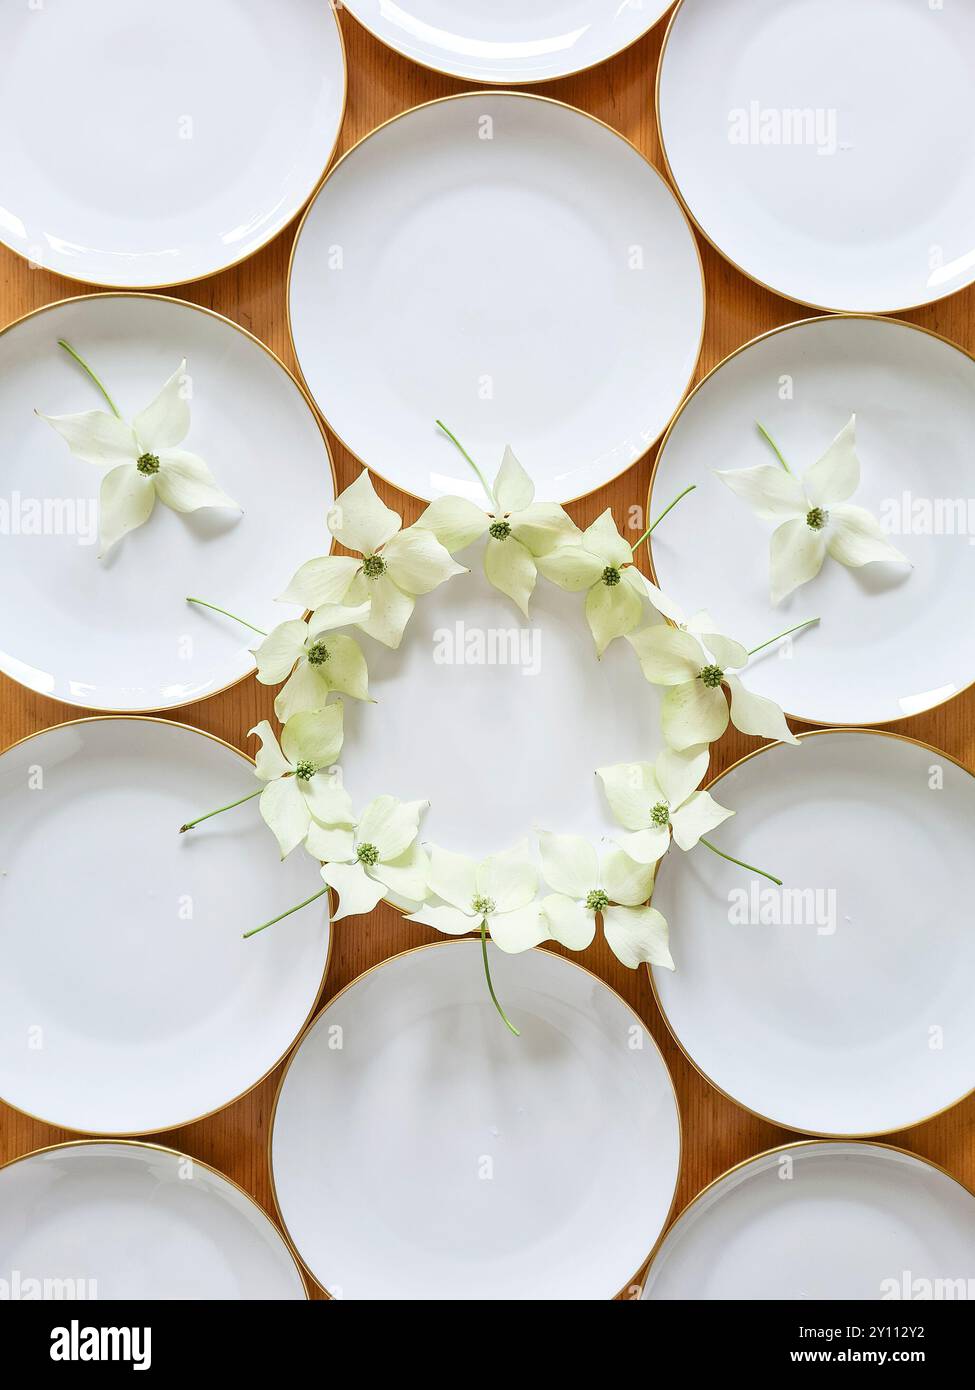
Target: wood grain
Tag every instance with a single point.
(716, 1132)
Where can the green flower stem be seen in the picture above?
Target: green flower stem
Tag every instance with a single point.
(798, 628)
(243, 621)
(220, 810)
(654, 524)
(487, 976)
(480, 476)
(85, 367)
(775, 448)
(741, 864)
(291, 910)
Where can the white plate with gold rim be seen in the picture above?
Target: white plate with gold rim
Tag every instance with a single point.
(512, 266)
(97, 1221)
(507, 41)
(840, 1003)
(419, 1150)
(806, 158)
(132, 158)
(822, 1221)
(893, 639)
(116, 633)
(129, 1002)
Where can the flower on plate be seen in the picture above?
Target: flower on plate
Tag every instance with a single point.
(519, 529)
(499, 892)
(316, 657)
(391, 568)
(298, 785)
(142, 461)
(618, 890)
(601, 562)
(377, 854)
(656, 800)
(697, 666)
(813, 514)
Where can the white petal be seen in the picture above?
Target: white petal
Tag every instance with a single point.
(513, 488)
(569, 922)
(328, 801)
(391, 610)
(314, 738)
(285, 813)
(509, 879)
(510, 568)
(796, 554)
(279, 651)
(603, 540)
(543, 526)
(450, 920)
(454, 521)
(667, 655)
(307, 690)
(418, 563)
(453, 877)
(322, 581)
(358, 893)
(771, 492)
(96, 437)
(625, 880)
(857, 538)
(699, 814)
(837, 474)
(665, 606)
(359, 521)
(569, 863)
(126, 500)
(331, 616)
(632, 790)
(611, 611)
(638, 934)
(390, 825)
(646, 846)
(345, 670)
(693, 713)
(725, 651)
(270, 762)
(408, 875)
(681, 773)
(185, 483)
(572, 567)
(753, 714)
(330, 843)
(520, 929)
(166, 421)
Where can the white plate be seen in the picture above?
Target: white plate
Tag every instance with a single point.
(498, 746)
(135, 156)
(117, 634)
(129, 1002)
(809, 161)
(840, 1004)
(822, 1221)
(507, 41)
(420, 1151)
(509, 265)
(892, 641)
(103, 1221)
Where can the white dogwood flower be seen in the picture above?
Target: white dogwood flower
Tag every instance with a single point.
(298, 786)
(377, 854)
(617, 890)
(500, 892)
(141, 460)
(655, 801)
(392, 566)
(315, 659)
(601, 562)
(813, 514)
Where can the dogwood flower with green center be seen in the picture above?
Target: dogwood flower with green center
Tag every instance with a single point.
(519, 529)
(617, 890)
(601, 562)
(391, 568)
(697, 667)
(298, 787)
(655, 801)
(813, 514)
(377, 854)
(141, 460)
(315, 659)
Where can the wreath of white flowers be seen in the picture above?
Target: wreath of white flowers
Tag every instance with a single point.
(378, 853)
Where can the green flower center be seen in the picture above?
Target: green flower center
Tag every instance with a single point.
(597, 901)
(817, 518)
(712, 676)
(482, 906)
(499, 530)
(660, 815)
(373, 566)
(147, 464)
(368, 855)
(305, 770)
(318, 653)
(611, 576)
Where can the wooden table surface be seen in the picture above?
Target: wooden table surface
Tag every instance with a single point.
(717, 1133)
